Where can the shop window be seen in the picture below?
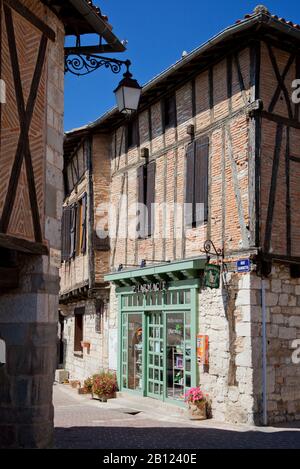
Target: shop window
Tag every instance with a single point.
(135, 351)
(187, 297)
(140, 299)
(78, 332)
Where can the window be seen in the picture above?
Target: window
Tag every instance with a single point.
(81, 226)
(74, 229)
(169, 112)
(196, 209)
(99, 316)
(76, 166)
(132, 134)
(78, 332)
(295, 270)
(146, 198)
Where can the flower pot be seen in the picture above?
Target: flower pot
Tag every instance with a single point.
(103, 398)
(197, 411)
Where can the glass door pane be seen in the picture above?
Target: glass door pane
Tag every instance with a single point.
(155, 369)
(135, 352)
(176, 355)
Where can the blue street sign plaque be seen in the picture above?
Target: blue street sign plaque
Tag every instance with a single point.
(243, 265)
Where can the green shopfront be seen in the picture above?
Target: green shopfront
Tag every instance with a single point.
(157, 328)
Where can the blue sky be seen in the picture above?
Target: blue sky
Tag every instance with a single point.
(158, 31)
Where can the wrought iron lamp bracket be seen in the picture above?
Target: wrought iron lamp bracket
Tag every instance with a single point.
(83, 64)
(211, 250)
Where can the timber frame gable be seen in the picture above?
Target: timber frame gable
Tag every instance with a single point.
(268, 223)
(15, 197)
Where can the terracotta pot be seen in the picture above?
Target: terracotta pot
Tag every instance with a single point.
(197, 411)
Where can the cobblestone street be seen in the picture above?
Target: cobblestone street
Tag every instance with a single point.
(83, 423)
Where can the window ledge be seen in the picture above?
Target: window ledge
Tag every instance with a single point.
(78, 354)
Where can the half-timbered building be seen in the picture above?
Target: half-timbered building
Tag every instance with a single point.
(218, 130)
(32, 65)
(84, 296)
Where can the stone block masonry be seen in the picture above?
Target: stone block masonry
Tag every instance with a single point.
(28, 315)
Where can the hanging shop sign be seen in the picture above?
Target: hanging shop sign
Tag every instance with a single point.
(150, 287)
(243, 265)
(212, 276)
(202, 349)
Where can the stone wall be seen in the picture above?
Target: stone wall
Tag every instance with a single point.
(283, 328)
(28, 316)
(94, 360)
(224, 315)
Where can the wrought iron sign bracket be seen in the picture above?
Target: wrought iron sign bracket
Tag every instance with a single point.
(211, 250)
(83, 64)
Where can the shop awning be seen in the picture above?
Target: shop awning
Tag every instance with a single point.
(170, 272)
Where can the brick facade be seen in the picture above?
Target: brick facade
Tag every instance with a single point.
(252, 213)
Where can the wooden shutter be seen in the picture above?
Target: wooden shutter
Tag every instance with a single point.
(190, 184)
(65, 234)
(141, 183)
(201, 175)
(150, 196)
(73, 231)
(84, 224)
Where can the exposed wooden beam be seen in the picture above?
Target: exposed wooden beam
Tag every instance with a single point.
(272, 194)
(22, 245)
(32, 18)
(281, 120)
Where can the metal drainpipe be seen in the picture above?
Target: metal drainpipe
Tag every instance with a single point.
(264, 352)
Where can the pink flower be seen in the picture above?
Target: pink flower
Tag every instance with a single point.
(195, 395)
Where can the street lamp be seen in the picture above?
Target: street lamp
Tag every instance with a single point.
(128, 92)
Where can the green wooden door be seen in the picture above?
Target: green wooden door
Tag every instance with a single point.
(155, 349)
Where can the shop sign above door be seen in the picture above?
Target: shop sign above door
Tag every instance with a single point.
(150, 287)
(212, 276)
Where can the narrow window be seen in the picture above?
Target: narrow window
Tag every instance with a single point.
(132, 134)
(99, 316)
(146, 198)
(196, 210)
(169, 112)
(78, 332)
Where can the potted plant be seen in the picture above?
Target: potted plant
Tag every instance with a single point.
(104, 386)
(197, 403)
(88, 385)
